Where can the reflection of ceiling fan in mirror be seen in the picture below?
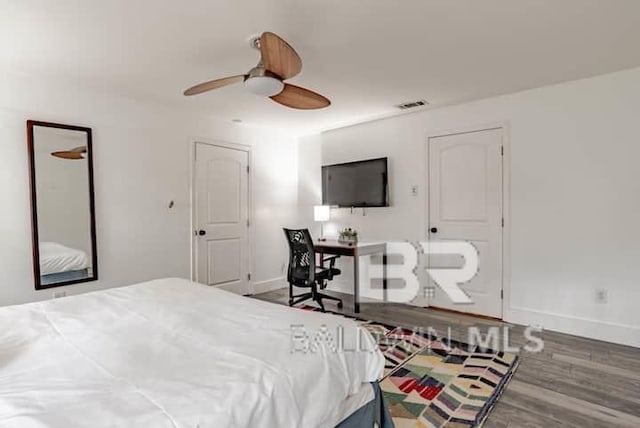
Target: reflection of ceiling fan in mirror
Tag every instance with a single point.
(73, 154)
(278, 62)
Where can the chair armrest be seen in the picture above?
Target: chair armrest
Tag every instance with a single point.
(331, 259)
(330, 268)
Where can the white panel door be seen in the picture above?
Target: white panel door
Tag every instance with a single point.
(222, 217)
(465, 204)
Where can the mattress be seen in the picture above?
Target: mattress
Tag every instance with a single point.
(172, 353)
(57, 278)
(56, 258)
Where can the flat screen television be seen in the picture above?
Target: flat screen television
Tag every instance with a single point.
(356, 184)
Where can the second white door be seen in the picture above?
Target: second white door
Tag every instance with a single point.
(465, 204)
(222, 217)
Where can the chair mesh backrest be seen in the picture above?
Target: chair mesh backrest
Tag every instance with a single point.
(301, 253)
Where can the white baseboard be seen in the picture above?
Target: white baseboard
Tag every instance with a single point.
(584, 327)
(606, 331)
(269, 285)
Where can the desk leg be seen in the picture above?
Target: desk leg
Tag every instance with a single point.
(384, 274)
(356, 283)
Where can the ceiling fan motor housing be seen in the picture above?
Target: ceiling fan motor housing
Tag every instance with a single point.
(263, 82)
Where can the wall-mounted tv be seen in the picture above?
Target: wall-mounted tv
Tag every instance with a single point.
(356, 184)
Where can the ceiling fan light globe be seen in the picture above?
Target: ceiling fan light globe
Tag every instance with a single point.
(265, 86)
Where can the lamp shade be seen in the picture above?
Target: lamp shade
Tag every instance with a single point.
(321, 213)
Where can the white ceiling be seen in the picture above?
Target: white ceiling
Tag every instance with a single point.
(366, 55)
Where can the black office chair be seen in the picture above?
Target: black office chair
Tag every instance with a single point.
(303, 271)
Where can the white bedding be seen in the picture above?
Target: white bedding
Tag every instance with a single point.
(56, 258)
(171, 353)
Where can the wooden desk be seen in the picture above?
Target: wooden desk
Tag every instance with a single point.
(355, 251)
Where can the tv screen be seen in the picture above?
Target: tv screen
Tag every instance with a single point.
(355, 184)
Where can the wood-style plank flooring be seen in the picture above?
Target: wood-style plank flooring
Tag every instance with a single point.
(573, 382)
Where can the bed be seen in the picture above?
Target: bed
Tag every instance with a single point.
(59, 263)
(172, 353)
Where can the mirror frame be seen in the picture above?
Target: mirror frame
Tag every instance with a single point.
(34, 205)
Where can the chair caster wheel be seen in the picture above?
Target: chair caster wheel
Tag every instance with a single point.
(339, 305)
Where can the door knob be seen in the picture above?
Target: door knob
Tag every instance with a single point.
(434, 230)
(202, 232)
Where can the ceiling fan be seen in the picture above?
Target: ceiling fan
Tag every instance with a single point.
(76, 153)
(278, 62)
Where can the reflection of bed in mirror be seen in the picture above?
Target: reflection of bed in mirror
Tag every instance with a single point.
(59, 263)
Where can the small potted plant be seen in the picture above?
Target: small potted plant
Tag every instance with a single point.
(348, 236)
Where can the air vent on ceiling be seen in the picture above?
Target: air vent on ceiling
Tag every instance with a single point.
(412, 104)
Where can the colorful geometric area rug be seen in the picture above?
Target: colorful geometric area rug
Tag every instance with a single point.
(431, 382)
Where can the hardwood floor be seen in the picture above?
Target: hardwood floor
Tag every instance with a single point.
(573, 382)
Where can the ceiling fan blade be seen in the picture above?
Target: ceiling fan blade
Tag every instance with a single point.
(278, 57)
(81, 149)
(68, 155)
(300, 98)
(214, 84)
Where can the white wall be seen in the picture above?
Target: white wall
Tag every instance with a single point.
(575, 196)
(141, 163)
(309, 180)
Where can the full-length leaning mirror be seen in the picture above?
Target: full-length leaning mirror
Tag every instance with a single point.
(62, 204)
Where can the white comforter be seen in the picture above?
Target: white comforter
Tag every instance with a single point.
(171, 353)
(56, 258)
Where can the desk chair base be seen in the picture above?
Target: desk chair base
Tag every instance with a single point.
(314, 295)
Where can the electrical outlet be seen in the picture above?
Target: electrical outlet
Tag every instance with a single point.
(602, 295)
(414, 190)
(59, 294)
